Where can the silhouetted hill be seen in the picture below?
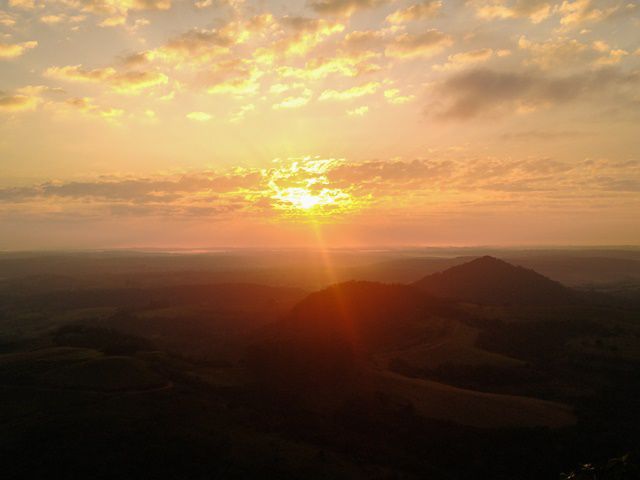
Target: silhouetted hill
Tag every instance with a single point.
(331, 330)
(489, 280)
(370, 314)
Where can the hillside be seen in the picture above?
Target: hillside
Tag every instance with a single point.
(488, 280)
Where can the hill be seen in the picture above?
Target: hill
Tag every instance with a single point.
(488, 280)
(336, 344)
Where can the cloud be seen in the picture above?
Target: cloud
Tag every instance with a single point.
(123, 82)
(54, 19)
(463, 59)
(18, 102)
(26, 98)
(342, 63)
(480, 91)
(344, 7)
(351, 93)
(294, 101)
(358, 111)
(236, 77)
(7, 19)
(534, 10)
(394, 96)
(87, 106)
(14, 50)
(378, 187)
(425, 44)
(24, 4)
(544, 135)
(199, 116)
(115, 11)
(578, 12)
(302, 34)
(365, 40)
(555, 52)
(563, 52)
(418, 11)
(198, 45)
(31, 97)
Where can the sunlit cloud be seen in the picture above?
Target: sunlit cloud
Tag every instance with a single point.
(358, 111)
(417, 11)
(351, 93)
(344, 7)
(25, 4)
(553, 53)
(7, 19)
(316, 189)
(115, 12)
(425, 44)
(14, 50)
(394, 96)
(25, 98)
(123, 82)
(18, 102)
(302, 34)
(234, 77)
(462, 59)
(199, 45)
(86, 105)
(347, 65)
(578, 12)
(57, 18)
(199, 116)
(534, 10)
(294, 101)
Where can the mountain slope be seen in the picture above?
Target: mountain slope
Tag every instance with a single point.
(489, 280)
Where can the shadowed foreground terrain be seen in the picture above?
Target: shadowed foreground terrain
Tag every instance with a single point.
(484, 370)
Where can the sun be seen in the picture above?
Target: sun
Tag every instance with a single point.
(301, 198)
(301, 188)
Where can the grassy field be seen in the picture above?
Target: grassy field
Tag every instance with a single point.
(455, 344)
(467, 407)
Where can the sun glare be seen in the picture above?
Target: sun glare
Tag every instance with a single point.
(302, 188)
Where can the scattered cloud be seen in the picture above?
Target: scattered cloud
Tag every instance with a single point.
(534, 10)
(351, 93)
(123, 82)
(553, 53)
(358, 111)
(481, 91)
(199, 116)
(14, 50)
(336, 186)
(417, 11)
(463, 59)
(578, 12)
(425, 44)
(23, 99)
(24, 4)
(115, 12)
(394, 96)
(344, 7)
(54, 19)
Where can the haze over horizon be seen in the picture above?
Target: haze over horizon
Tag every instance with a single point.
(320, 123)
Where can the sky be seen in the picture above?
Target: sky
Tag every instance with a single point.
(343, 123)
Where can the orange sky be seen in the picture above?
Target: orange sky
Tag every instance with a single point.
(376, 122)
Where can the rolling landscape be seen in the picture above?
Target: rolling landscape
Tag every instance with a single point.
(475, 370)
